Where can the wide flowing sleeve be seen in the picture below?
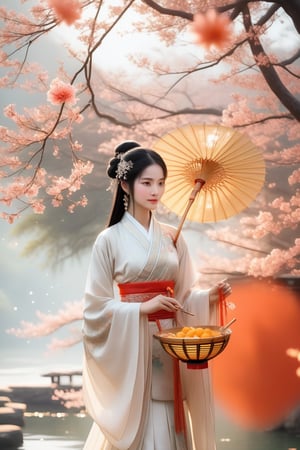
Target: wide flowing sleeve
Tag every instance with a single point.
(116, 362)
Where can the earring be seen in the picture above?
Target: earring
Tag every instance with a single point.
(126, 201)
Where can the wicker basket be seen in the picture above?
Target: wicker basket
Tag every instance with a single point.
(194, 351)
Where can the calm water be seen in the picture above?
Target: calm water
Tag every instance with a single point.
(55, 433)
(69, 432)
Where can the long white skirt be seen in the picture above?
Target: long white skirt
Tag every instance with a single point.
(160, 432)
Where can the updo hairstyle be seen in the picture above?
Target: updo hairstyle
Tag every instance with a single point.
(120, 150)
(138, 158)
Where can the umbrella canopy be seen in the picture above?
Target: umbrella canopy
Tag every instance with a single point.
(228, 168)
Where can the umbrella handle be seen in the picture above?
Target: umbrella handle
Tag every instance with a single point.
(199, 183)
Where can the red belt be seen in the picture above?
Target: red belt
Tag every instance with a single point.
(142, 292)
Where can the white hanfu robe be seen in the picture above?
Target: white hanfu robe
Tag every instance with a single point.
(127, 376)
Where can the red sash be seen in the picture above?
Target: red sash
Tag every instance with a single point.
(142, 292)
(145, 290)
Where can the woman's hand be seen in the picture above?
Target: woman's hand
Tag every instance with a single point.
(159, 302)
(214, 292)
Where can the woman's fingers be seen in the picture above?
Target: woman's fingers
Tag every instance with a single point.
(214, 293)
(226, 288)
(160, 302)
(170, 303)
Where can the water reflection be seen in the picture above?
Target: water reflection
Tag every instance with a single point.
(63, 431)
(55, 431)
(48, 443)
(232, 437)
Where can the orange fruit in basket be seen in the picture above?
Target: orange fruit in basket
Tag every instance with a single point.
(180, 334)
(190, 333)
(205, 334)
(199, 332)
(186, 329)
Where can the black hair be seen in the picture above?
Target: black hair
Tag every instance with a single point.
(138, 158)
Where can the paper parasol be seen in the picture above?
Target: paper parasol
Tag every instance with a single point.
(220, 162)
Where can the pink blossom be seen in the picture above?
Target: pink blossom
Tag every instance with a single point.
(294, 178)
(10, 218)
(82, 202)
(10, 111)
(66, 10)
(76, 146)
(59, 184)
(10, 161)
(61, 92)
(264, 224)
(58, 344)
(49, 322)
(57, 201)
(38, 207)
(15, 190)
(277, 261)
(56, 151)
(294, 353)
(280, 204)
(74, 115)
(289, 155)
(71, 398)
(295, 199)
(212, 29)
(71, 184)
(262, 60)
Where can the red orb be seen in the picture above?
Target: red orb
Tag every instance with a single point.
(254, 379)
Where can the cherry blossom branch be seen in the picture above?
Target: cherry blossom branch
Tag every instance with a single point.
(49, 323)
(274, 264)
(71, 341)
(34, 141)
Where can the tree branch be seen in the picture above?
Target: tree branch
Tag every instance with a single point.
(267, 69)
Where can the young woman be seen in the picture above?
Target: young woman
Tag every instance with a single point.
(138, 396)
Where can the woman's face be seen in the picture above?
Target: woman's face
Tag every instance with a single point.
(148, 189)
